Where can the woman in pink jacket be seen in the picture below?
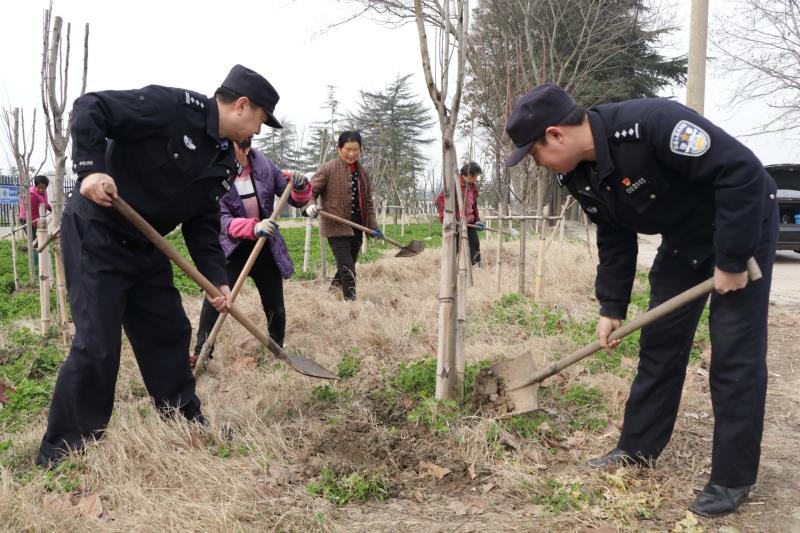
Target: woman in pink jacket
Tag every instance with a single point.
(38, 194)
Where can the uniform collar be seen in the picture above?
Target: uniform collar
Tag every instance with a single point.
(212, 123)
(603, 163)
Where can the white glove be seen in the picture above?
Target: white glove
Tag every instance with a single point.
(265, 228)
(312, 211)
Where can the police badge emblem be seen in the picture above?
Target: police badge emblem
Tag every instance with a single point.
(689, 139)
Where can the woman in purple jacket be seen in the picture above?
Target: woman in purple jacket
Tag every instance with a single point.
(244, 210)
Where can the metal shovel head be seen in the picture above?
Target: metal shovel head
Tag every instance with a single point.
(411, 249)
(308, 367)
(491, 396)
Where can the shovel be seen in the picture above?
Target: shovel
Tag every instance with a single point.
(303, 365)
(506, 231)
(409, 250)
(510, 387)
(199, 366)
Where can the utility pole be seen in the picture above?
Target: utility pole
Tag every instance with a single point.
(698, 40)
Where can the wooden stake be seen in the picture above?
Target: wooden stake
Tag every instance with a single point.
(522, 234)
(61, 285)
(307, 244)
(539, 284)
(384, 217)
(499, 246)
(44, 272)
(14, 257)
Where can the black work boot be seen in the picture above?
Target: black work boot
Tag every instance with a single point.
(716, 500)
(618, 457)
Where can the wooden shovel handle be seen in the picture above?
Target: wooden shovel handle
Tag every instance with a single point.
(357, 226)
(248, 266)
(162, 244)
(701, 289)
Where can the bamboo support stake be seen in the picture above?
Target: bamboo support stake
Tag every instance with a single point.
(499, 249)
(462, 231)
(402, 220)
(539, 283)
(14, 258)
(588, 237)
(44, 273)
(61, 286)
(522, 234)
(307, 244)
(383, 216)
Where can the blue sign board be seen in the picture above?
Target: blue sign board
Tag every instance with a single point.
(9, 194)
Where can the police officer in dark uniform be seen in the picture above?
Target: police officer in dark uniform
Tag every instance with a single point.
(655, 166)
(167, 152)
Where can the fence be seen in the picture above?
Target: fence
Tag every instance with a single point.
(10, 197)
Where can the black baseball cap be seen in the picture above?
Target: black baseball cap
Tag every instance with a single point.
(537, 110)
(253, 85)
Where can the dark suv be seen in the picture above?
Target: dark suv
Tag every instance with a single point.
(788, 179)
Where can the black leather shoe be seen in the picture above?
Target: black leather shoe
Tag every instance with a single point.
(716, 500)
(617, 457)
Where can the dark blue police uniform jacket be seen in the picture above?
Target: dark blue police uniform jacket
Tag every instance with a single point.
(162, 147)
(662, 168)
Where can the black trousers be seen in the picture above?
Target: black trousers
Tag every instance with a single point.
(474, 245)
(116, 284)
(345, 251)
(269, 283)
(738, 373)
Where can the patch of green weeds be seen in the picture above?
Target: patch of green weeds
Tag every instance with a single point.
(221, 450)
(435, 415)
(349, 364)
(325, 394)
(586, 407)
(28, 362)
(340, 489)
(522, 311)
(417, 378)
(65, 477)
(527, 425)
(562, 497)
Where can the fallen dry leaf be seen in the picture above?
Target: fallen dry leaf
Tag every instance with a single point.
(244, 362)
(57, 503)
(486, 488)
(91, 506)
(471, 470)
(599, 530)
(509, 440)
(534, 510)
(437, 471)
(458, 508)
(196, 439)
(279, 475)
(555, 379)
(474, 505)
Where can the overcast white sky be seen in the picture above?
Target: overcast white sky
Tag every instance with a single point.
(193, 44)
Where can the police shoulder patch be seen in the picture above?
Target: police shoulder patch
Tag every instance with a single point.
(689, 139)
(194, 100)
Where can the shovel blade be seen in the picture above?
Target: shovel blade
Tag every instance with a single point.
(523, 400)
(490, 395)
(411, 249)
(308, 367)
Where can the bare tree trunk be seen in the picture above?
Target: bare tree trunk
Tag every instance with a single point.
(54, 85)
(448, 119)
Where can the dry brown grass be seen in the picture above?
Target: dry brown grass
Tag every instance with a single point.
(153, 475)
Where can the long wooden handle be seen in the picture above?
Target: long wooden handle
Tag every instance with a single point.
(161, 243)
(248, 266)
(701, 289)
(357, 226)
